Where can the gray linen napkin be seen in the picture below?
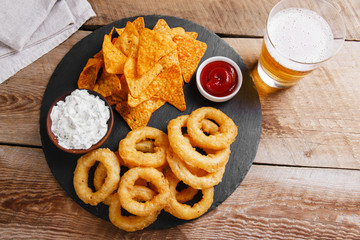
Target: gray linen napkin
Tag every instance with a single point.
(31, 28)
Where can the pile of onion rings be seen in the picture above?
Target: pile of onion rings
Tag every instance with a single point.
(213, 139)
(198, 157)
(156, 165)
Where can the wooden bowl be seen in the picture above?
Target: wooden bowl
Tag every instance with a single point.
(54, 139)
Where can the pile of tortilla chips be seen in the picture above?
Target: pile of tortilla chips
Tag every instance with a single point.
(142, 69)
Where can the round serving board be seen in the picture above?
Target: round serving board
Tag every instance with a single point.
(244, 109)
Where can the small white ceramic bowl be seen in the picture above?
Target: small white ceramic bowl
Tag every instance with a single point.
(206, 94)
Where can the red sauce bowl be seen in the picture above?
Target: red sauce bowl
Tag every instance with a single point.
(54, 139)
(220, 62)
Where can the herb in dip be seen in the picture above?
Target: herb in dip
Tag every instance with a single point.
(80, 121)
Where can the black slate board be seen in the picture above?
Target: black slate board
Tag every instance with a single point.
(244, 109)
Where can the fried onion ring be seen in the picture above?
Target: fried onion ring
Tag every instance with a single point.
(127, 184)
(180, 169)
(100, 175)
(184, 211)
(182, 147)
(81, 176)
(99, 179)
(132, 223)
(134, 158)
(221, 139)
(142, 193)
(186, 194)
(139, 189)
(209, 127)
(146, 146)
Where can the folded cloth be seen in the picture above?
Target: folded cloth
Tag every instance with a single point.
(19, 19)
(31, 28)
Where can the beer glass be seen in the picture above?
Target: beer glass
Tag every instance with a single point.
(299, 36)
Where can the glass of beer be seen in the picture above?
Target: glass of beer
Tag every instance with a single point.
(299, 36)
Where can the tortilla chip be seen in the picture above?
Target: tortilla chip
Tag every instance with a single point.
(172, 91)
(149, 92)
(177, 31)
(170, 59)
(124, 86)
(152, 47)
(119, 30)
(120, 96)
(159, 82)
(116, 98)
(190, 52)
(128, 41)
(99, 55)
(111, 101)
(137, 84)
(143, 69)
(139, 24)
(114, 59)
(108, 84)
(130, 68)
(191, 34)
(161, 26)
(140, 115)
(88, 76)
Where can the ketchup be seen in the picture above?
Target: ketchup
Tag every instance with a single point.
(219, 78)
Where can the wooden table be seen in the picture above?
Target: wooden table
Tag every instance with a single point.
(305, 179)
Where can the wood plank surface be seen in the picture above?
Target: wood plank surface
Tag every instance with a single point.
(272, 202)
(304, 183)
(21, 96)
(318, 133)
(230, 17)
(316, 122)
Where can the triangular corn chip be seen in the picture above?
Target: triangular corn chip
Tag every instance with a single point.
(172, 91)
(137, 84)
(114, 59)
(139, 24)
(161, 26)
(139, 116)
(152, 47)
(108, 84)
(88, 76)
(176, 31)
(190, 53)
(191, 34)
(128, 41)
(119, 96)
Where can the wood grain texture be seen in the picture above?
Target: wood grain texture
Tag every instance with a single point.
(235, 17)
(316, 122)
(304, 183)
(21, 96)
(272, 202)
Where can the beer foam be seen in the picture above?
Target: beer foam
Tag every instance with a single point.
(301, 35)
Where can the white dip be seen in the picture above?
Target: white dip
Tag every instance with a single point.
(80, 121)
